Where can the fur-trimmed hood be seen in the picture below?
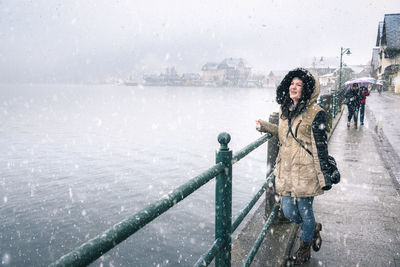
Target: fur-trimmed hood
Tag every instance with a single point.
(310, 91)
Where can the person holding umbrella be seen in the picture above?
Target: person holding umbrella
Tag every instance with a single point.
(353, 100)
(364, 93)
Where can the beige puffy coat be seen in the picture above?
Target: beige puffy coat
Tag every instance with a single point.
(297, 173)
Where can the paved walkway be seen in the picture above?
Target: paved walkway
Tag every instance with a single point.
(386, 109)
(361, 215)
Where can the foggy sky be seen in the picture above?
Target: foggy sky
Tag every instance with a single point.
(88, 41)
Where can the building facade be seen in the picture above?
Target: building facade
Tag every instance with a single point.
(229, 72)
(388, 41)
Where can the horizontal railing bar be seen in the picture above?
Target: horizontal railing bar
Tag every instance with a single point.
(246, 150)
(261, 236)
(243, 213)
(208, 257)
(96, 247)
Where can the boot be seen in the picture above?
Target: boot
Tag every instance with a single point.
(355, 125)
(303, 254)
(317, 240)
(348, 124)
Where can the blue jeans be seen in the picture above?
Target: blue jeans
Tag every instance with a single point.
(301, 213)
(353, 112)
(362, 111)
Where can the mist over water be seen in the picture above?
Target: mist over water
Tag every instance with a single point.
(76, 159)
(93, 41)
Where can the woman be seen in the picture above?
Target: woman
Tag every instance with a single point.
(301, 169)
(364, 93)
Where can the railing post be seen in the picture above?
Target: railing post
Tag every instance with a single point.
(223, 202)
(273, 148)
(335, 103)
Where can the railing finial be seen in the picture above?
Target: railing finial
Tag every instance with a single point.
(224, 139)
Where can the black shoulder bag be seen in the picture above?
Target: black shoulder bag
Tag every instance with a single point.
(332, 168)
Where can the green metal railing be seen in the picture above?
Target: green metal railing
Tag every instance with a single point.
(261, 236)
(337, 98)
(221, 248)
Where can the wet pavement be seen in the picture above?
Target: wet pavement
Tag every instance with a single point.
(361, 214)
(386, 109)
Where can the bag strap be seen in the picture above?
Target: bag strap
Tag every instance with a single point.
(291, 132)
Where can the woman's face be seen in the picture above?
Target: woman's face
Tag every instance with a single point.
(295, 89)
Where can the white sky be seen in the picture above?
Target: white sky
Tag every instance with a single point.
(89, 40)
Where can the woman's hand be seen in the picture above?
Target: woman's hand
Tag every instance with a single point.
(266, 127)
(258, 125)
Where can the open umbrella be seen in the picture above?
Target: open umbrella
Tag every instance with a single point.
(363, 81)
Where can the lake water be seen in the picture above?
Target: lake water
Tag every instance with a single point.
(76, 159)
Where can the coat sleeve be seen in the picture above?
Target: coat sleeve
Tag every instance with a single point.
(321, 143)
(269, 128)
(347, 94)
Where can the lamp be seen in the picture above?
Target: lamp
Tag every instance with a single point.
(342, 52)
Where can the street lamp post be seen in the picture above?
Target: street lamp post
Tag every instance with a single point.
(342, 52)
(338, 94)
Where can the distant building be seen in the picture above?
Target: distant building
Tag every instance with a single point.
(211, 74)
(325, 69)
(388, 41)
(256, 80)
(236, 71)
(230, 72)
(347, 74)
(152, 79)
(360, 71)
(375, 62)
(321, 65)
(328, 79)
(272, 80)
(169, 77)
(192, 79)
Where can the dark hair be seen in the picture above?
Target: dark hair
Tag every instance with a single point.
(283, 95)
(355, 84)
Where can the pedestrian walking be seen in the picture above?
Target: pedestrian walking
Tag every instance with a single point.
(301, 169)
(364, 93)
(353, 98)
(380, 89)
